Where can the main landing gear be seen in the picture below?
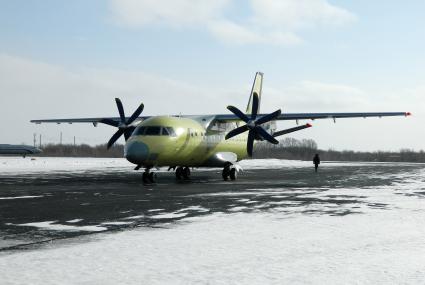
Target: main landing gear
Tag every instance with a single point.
(229, 172)
(148, 176)
(183, 173)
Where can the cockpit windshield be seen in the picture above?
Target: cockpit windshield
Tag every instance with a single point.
(154, 131)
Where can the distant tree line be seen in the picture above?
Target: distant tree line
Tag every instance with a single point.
(288, 148)
(82, 150)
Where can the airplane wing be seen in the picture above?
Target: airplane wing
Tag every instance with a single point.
(93, 121)
(232, 117)
(314, 116)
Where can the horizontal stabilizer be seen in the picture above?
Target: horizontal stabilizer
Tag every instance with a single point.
(291, 130)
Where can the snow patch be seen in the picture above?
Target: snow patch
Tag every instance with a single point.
(21, 197)
(52, 226)
(169, 216)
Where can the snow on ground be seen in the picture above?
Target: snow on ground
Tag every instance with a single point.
(384, 248)
(21, 197)
(52, 225)
(61, 164)
(375, 246)
(66, 164)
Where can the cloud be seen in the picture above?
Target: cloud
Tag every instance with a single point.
(230, 32)
(177, 13)
(34, 90)
(295, 14)
(326, 96)
(275, 22)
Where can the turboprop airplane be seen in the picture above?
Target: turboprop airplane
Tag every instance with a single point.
(217, 140)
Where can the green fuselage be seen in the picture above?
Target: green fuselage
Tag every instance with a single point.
(191, 144)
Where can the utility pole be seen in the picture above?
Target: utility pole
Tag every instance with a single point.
(40, 141)
(35, 139)
(61, 139)
(74, 150)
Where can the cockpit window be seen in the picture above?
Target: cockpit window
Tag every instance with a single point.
(170, 131)
(153, 131)
(139, 131)
(165, 132)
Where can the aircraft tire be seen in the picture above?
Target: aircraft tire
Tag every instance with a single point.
(152, 177)
(233, 174)
(179, 173)
(225, 174)
(145, 177)
(186, 173)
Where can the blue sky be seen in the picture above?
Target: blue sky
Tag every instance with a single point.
(71, 58)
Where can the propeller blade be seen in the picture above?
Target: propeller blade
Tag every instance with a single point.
(291, 130)
(128, 131)
(268, 117)
(260, 130)
(114, 138)
(136, 114)
(250, 142)
(120, 109)
(109, 122)
(254, 110)
(238, 113)
(236, 132)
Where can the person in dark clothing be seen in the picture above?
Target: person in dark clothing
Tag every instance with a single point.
(316, 161)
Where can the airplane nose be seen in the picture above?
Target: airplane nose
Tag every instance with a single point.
(136, 152)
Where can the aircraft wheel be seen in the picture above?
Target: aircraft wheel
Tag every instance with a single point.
(186, 173)
(152, 177)
(179, 173)
(233, 174)
(225, 174)
(145, 177)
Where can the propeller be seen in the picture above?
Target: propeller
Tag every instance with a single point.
(124, 126)
(253, 125)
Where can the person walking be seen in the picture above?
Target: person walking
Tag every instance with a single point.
(316, 162)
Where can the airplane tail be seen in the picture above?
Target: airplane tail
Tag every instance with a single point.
(257, 87)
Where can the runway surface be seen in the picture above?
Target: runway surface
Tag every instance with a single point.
(54, 212)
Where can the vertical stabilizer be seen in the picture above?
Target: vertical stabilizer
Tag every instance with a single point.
(257, 87)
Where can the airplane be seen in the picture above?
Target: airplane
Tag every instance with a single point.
(181, 142)
(24, 150)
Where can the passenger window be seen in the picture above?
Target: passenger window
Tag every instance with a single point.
(153, 131)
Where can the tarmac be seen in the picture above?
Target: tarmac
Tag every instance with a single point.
(38, 208)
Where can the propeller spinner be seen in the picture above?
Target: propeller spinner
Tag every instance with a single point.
(124, 126)
(253, 125)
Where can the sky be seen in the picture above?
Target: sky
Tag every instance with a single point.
(67, 59)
